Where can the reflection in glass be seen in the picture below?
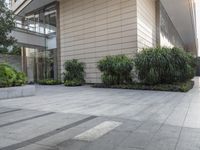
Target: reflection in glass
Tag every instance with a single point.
(42, 21)
(41, 62)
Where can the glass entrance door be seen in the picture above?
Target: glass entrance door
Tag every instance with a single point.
(40, 64)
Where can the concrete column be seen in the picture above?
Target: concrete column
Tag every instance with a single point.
(158, 26)
(58, 61)
(24, 60)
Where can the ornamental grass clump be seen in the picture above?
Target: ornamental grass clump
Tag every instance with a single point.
(116, 69)
(164, 66)
(74, 73)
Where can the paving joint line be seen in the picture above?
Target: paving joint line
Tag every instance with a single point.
(179, 137)
(162, 124)
(141, 124)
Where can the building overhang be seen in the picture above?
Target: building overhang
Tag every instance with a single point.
(183, 15)
(25, 6)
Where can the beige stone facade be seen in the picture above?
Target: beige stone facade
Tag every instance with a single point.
(146, 23)
(89, 30)
(93, 29)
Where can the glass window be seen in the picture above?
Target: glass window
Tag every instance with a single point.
(42, 21)
(42, 63)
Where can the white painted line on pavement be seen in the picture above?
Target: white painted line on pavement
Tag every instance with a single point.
(97, 131)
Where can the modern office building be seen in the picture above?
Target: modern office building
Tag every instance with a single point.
(52, 32)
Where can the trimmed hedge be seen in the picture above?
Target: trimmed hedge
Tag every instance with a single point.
(165, 69)
(74, 73)
(73, 83)
(116, 69)
(49, 82)
(10, 77)
(175, 87)
(164, 66)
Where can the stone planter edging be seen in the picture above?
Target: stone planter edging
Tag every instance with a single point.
(18, 91)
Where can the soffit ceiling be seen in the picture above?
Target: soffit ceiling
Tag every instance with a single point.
(180, 13)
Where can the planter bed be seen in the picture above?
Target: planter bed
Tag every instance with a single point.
(176, 87)
(16, 92)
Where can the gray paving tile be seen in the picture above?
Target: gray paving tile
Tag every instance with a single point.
(37, 147)
(165, 139)
(72, 145)
(193, 119)
(125, 148)
(71, 133)
(151, 120)
(189, 140)
(98, 146)
(163, 143)
(21, 116)
(32, 128)
(6, 142)
(137, 140)
(9, 111)
(55, 140)
(113, 138)
(129, 126)
(40, 137)
(3, 109)
(107, 142)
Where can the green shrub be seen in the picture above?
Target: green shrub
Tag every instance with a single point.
(10, 77)
(21, 79)
(73, 83)
(7, 75)
(15, 50)
(116, 69)
(49, 82)
(164, 66)
(3, 50)
(74, 71)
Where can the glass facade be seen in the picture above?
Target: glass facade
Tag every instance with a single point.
(43, 21)
(41, 62)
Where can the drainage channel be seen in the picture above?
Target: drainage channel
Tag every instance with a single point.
(46, 135)
(26, 119)
(5, 112)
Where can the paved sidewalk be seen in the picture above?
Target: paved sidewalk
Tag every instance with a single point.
(85, 118)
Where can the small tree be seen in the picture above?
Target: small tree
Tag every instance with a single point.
(7, 24)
